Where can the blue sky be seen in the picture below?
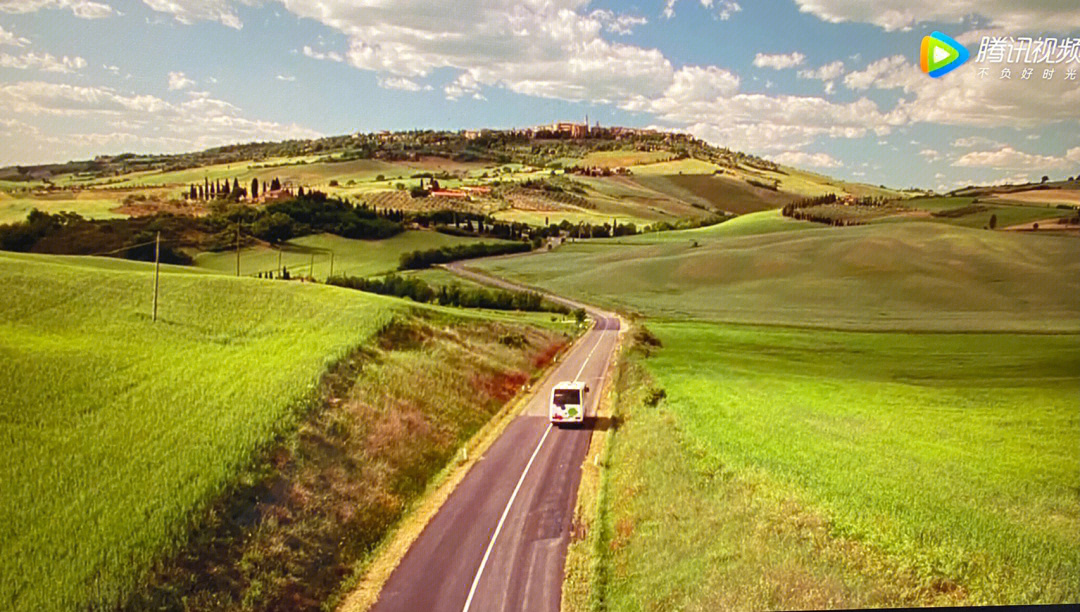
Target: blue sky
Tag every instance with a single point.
(830, 85)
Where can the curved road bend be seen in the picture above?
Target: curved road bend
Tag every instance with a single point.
(499, 541)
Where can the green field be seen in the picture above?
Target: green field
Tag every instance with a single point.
(824, 438)
(902, 276)
(350, 257)
(109, 416)
(717, 192)
(616, 159)
(976, 212)
(15, 208)
(791, 468)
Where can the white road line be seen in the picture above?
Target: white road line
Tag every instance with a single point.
(502, 519)
(589, 356)
(513, 496)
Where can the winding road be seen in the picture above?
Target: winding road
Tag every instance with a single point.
(499, 541)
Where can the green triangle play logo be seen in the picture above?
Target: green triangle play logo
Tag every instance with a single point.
(940, 54)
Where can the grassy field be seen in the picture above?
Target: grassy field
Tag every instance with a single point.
(808, 436)
(1051, 197)
(717, 192)
(351, 257)
(675, 167)
(120, 433)
(801, 469)
(886, 276)
(15, 208)
(109, 416)
(966, 211)
(617, 159)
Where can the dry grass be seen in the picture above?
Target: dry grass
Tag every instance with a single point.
(580, 568)
(326, 496)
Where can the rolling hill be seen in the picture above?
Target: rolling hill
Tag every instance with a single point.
(913, 275)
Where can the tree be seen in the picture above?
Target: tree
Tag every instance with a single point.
(274, 228)
(993, 221)
(254, 188)
(192, 193)
(1045, 178)
(236, 185)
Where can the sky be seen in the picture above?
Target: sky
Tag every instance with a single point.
(827, 85)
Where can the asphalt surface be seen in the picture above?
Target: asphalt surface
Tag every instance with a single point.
(499, 541)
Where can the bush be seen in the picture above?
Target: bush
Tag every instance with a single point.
(276, 228)
(416, 260)
(333, 215)
(452, 295)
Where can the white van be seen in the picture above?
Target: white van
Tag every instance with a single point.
(568, 402)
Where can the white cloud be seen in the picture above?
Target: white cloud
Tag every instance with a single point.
(1008, 158)
(779, 61)
(546, 49)
(764, 123)
(724, 9)
(399, 83)
(190, 11)
(287, 78)
(42, 61)
(179, 80)
(112, 121)
(802, 159)
(618, 24)
(930, 154)
(828, 72)
(969, 142)
(332, 56)
(11, 40)
(1033, 16)
(81, 8)
(696, 83)
(963, 98)
(886, 73)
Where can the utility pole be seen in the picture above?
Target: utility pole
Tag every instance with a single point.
(279, 261)
(238, 248)
(331, 264)
(311, 268)
(157, 269)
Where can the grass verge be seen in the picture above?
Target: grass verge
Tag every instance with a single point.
(316, 507)
(797, 469)
(580, 563)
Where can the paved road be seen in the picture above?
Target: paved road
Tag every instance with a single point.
(499, 542)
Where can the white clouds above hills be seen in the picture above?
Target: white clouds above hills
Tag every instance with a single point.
(559, 53)
(1008, 158)
(1032, 15)
(136, 121)
(80, 8)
